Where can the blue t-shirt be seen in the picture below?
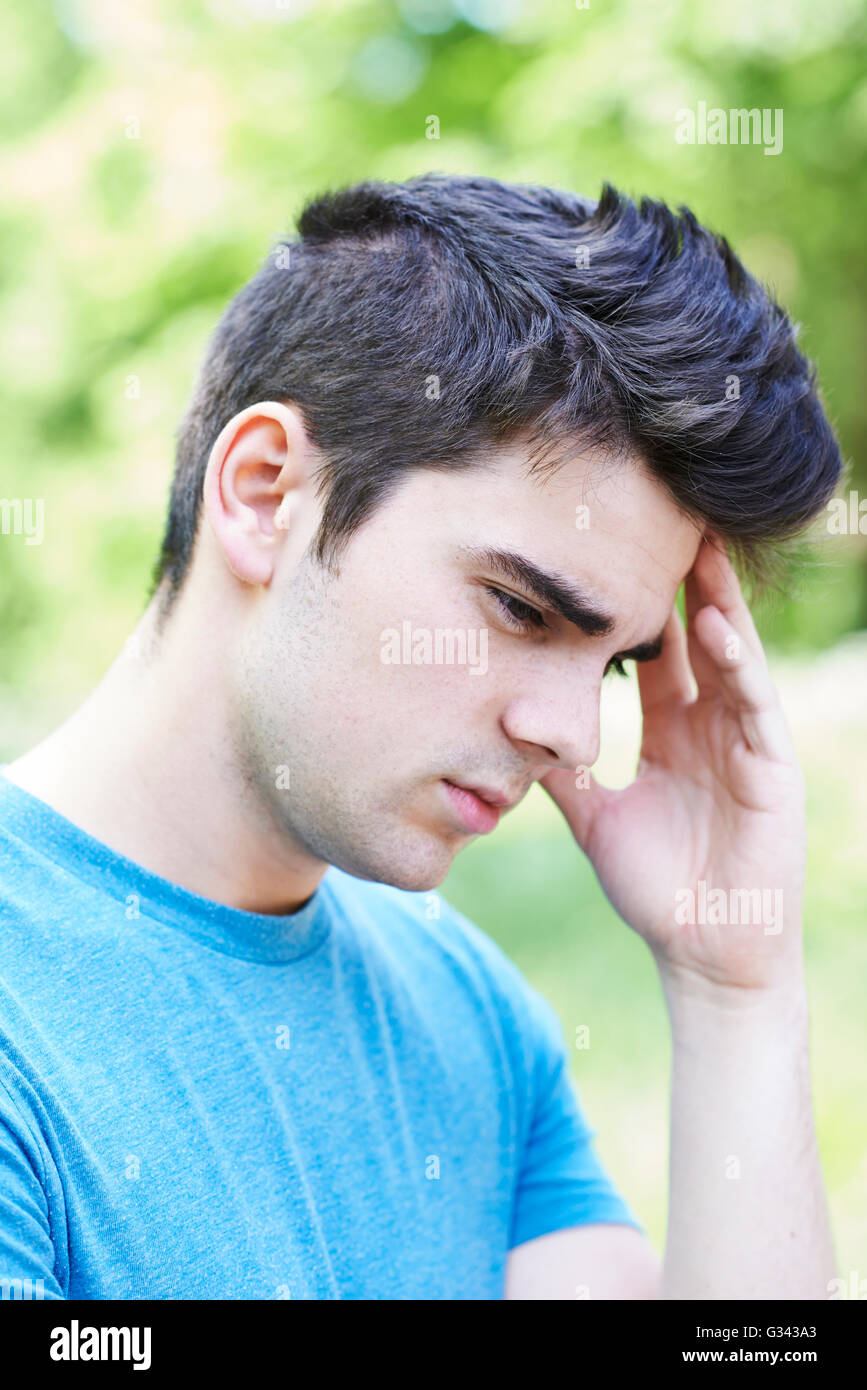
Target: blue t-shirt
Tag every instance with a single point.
(362, 1099)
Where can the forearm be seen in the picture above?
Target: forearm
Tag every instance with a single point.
(748, 1213)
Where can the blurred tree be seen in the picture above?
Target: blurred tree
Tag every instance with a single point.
(152, 153)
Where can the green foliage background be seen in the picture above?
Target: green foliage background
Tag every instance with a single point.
(152, 152)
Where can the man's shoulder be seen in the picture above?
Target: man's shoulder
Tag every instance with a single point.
(25, 877)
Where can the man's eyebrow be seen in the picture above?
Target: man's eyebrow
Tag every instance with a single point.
(560, 595)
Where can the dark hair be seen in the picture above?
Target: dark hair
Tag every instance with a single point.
(422, 322)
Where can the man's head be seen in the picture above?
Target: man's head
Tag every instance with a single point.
(449, 387)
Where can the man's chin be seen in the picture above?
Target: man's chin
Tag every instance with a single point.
(415, 869)
(409, 880)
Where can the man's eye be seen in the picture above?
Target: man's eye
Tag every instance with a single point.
(517, 614)
(615, 664)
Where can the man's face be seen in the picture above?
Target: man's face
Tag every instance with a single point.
(388, 688)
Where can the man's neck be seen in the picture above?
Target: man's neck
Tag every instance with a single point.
(147, 766)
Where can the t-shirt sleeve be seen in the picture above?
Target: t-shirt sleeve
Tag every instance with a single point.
(562, 1181)
(26, 1248)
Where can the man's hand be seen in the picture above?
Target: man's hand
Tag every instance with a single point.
(718, 800)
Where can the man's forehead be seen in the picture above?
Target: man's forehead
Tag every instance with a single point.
(611, 563)
(594, 497)
(599, 522)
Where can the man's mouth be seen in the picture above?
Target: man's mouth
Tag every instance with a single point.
(477, 808)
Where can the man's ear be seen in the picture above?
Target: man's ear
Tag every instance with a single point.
(259, 470)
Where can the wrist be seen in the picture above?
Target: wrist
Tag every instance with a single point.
(693, 997)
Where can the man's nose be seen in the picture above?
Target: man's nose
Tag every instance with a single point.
(563, 732)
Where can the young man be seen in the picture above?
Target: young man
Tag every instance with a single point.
(451, 456)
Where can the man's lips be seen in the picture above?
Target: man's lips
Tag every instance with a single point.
(478, 808)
